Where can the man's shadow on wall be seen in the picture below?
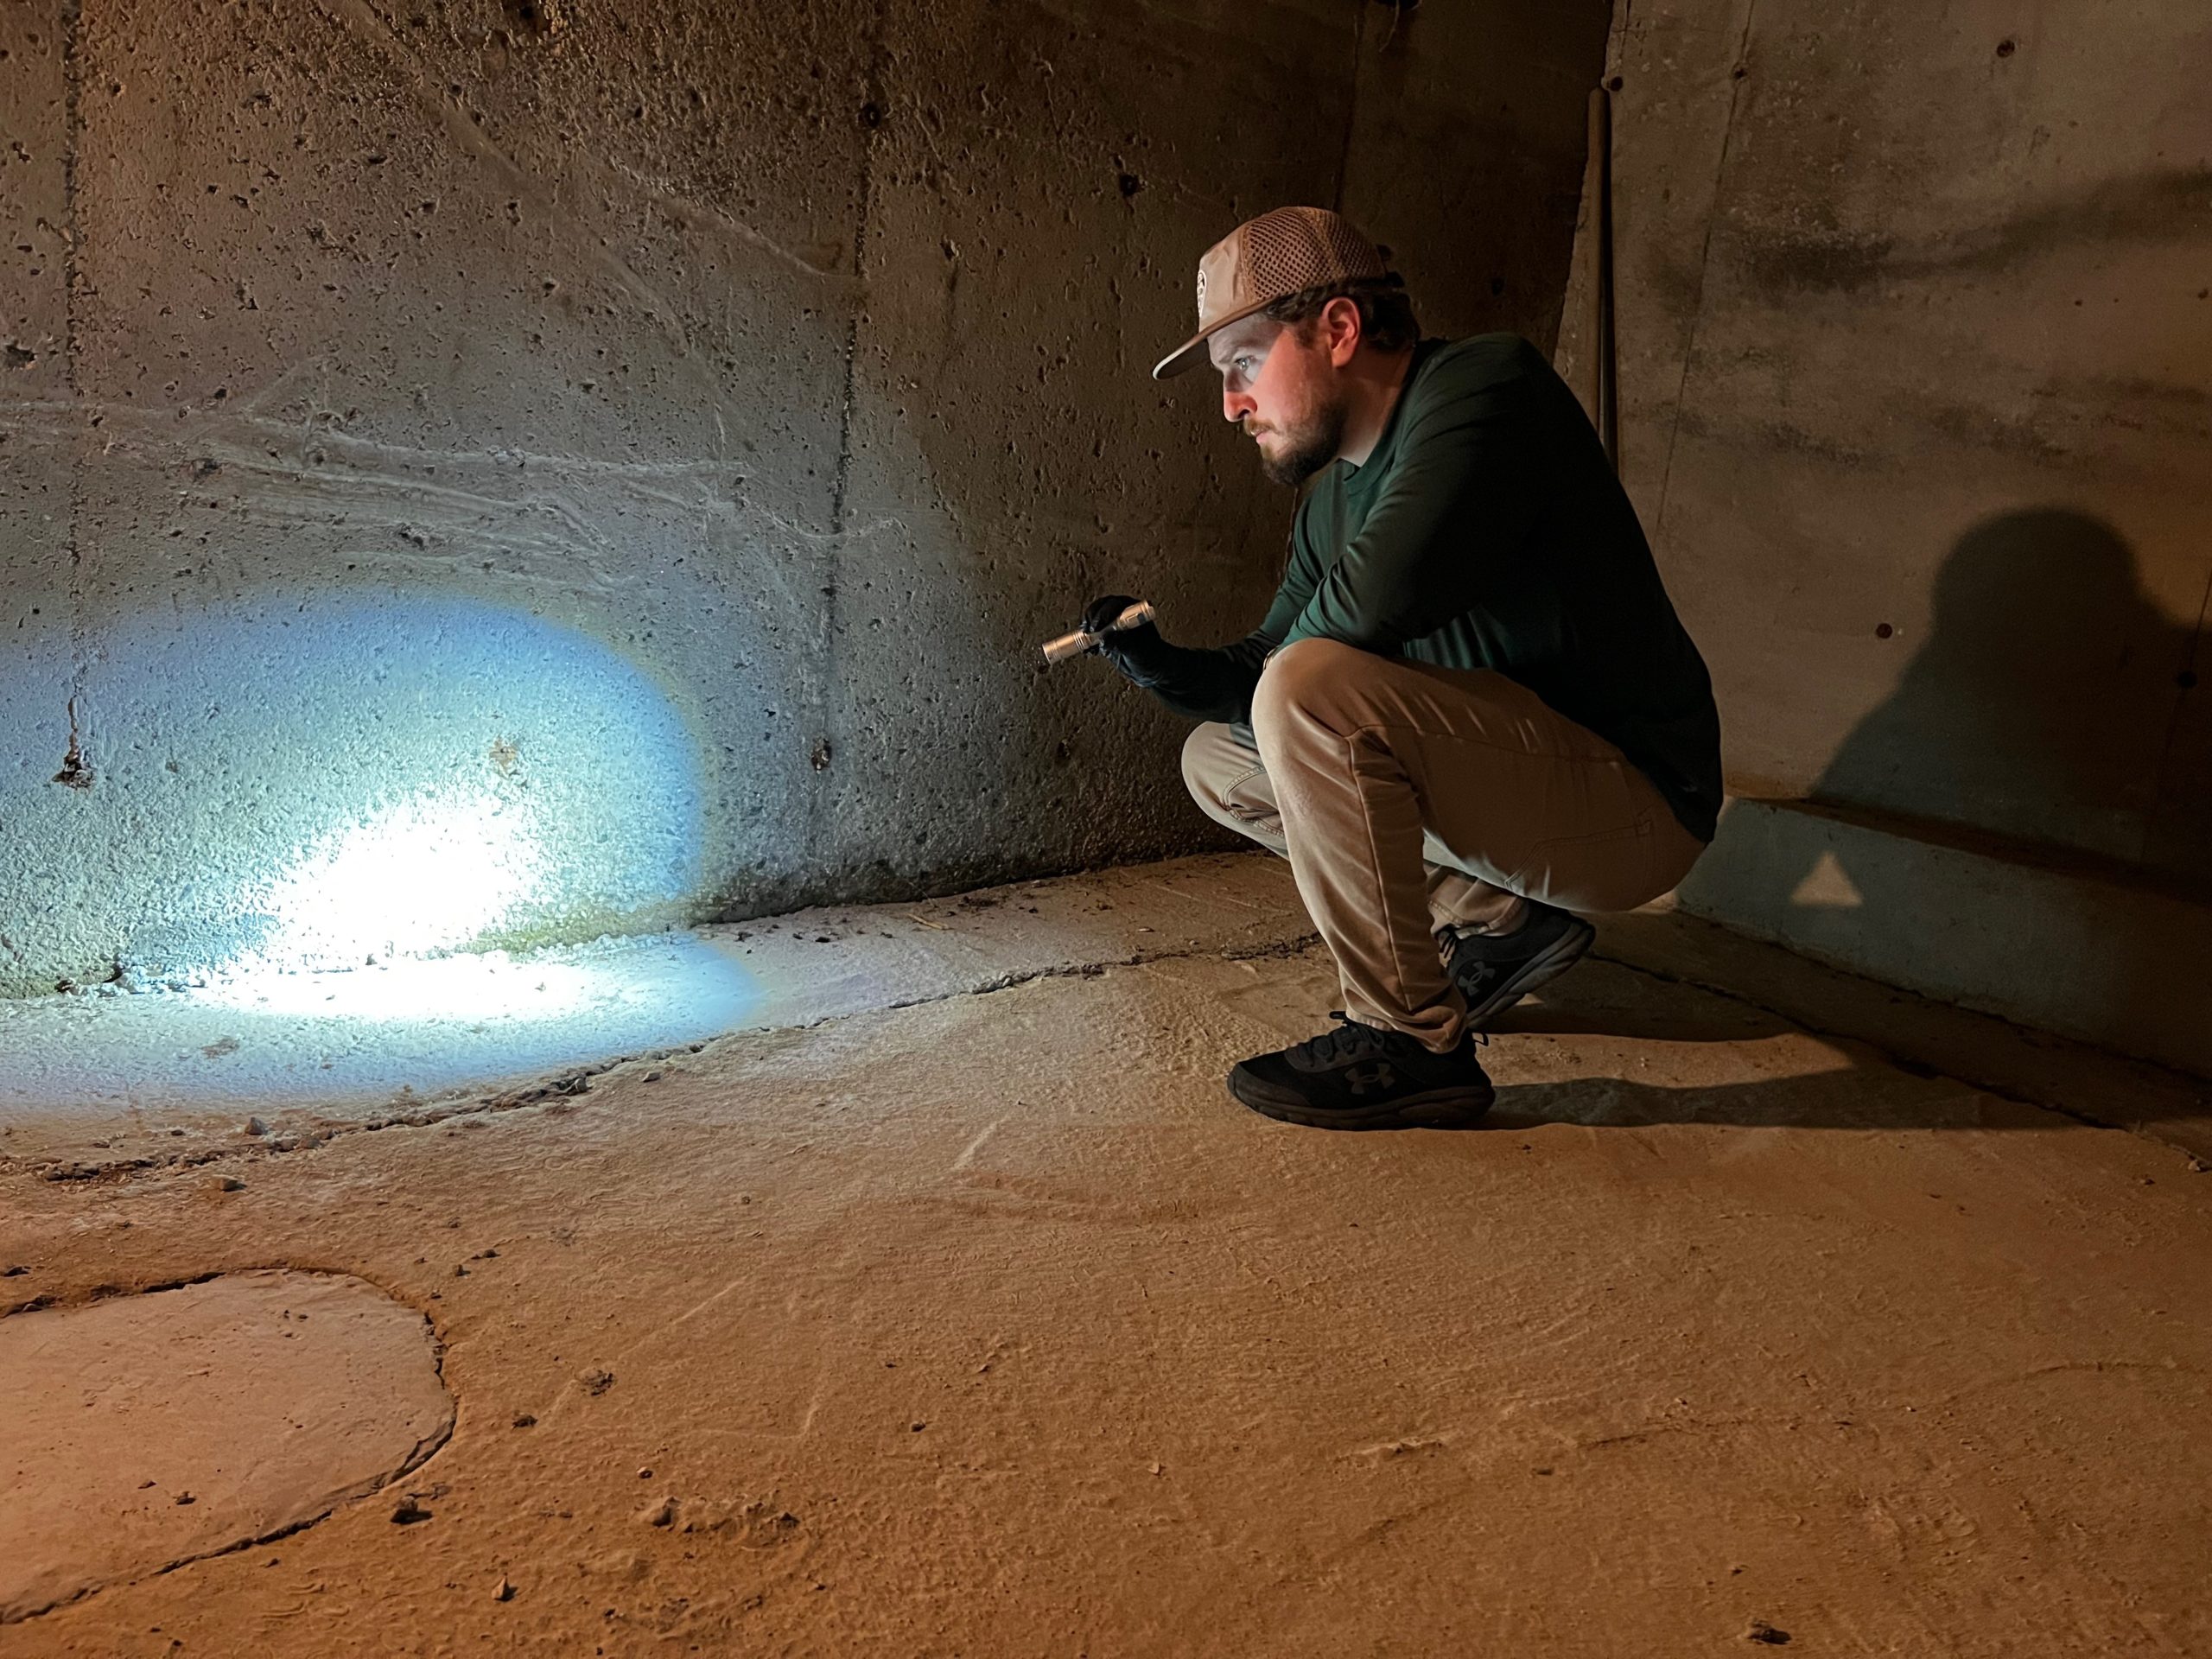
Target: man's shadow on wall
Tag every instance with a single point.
(2042, 704)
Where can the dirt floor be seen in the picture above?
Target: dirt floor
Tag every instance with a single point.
(990, 1324)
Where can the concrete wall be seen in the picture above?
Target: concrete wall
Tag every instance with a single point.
(1915, 361)
(1916, 368)
(481, 472)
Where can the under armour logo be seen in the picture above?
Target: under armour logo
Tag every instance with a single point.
(1375, 1074)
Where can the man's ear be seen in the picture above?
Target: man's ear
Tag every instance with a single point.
(1340, 328)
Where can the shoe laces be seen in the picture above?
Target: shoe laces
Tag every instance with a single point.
(1350, 1040)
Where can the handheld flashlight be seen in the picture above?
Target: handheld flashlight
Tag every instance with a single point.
(1074, 644)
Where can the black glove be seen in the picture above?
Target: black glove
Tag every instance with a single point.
(1139, 653)
(1202, 684)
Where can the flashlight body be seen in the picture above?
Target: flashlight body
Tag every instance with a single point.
(1074, 644)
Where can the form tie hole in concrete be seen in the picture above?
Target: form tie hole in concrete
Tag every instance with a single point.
(1883, 630)
(145, 1432)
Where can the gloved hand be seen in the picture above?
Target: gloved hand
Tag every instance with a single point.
(1139, 653)
(1210, 683)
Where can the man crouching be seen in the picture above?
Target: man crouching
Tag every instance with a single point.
(1471, 711)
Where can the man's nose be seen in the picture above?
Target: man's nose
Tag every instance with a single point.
(1235, 405)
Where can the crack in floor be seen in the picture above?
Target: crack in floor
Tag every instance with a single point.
(572, 1081)
(551, 1092)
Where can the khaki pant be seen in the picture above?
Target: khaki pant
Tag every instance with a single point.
(1409, 797)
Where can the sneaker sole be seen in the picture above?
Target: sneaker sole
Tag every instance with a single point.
(1566, 951)
(1434, 1108)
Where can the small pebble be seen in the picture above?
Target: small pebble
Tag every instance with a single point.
(645, 1474)
(503, 1591)
(229, 1184)
(255, 1125)
(659, 1513)
(407, 1512)
(525, 1422)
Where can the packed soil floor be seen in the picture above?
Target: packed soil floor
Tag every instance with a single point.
(991, 1324)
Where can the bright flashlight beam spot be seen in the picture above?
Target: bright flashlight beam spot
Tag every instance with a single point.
(432, 874)
(429, 773)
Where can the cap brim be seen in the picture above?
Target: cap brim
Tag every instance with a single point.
(1192, 351)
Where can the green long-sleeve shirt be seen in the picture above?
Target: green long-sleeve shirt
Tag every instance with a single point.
(1487, 530)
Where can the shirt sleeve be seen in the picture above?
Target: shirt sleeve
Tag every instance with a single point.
(1217, 683)
(1463, 492)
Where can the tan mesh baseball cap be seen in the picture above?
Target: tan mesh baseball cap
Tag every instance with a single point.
(1268, 259)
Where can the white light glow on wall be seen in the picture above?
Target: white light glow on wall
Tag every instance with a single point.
(433, 873)
(310, 779)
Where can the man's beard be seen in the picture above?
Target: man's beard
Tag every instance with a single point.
(1307, 447)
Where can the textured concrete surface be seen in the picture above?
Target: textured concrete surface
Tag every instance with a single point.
(675, 426)
(145, 1432)
(1914, 339)
(1917, 1034)
(2060, 946)
(96, 1082)
(396, 1038)
(991, 1324)
(1915, 342)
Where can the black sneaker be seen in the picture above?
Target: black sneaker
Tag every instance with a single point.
(1495, 970)
(1359, 1078)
